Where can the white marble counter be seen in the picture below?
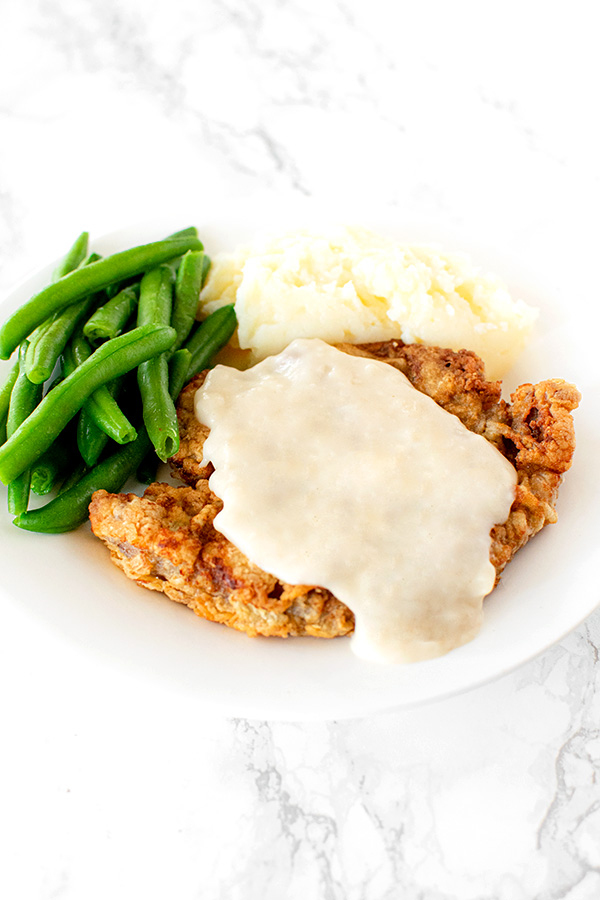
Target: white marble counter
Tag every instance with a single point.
(467, 112)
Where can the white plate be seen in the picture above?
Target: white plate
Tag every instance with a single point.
(68, 582)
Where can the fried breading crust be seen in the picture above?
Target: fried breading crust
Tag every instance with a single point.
(166, 541)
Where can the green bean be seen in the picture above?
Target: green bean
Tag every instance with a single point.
(43, 353)
(91, 440)
(5, 392)
(18, 493)
(86, 280)
(160, 417)
(178, 366)
(185, 232)
(209, 337)
(17, 498)
(23, 400)
(111, 360)
(187, 294)
(73, 258)
(109, 320)
(156, 297)
(38, 333)
(70, 509)
(52, 466)
(101, 405)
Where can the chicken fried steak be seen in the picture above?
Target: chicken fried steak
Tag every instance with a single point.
(166, 541)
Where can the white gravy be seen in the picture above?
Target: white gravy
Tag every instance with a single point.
(335, 471)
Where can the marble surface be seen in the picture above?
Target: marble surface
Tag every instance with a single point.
(466, 112)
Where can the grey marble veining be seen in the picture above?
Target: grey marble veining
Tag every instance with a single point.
(467, 112)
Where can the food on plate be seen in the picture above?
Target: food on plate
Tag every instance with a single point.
(349, 284)
(60, 417)
(167, 540)
(359, 474)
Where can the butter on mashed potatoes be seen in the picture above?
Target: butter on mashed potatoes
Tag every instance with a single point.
(353, 285)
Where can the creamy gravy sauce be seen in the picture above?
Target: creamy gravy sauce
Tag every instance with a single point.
(335, 471)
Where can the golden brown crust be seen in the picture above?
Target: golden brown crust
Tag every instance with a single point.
(166, 540)
(536, 434)
(186, 464)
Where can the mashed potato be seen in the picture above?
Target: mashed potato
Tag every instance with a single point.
(356, 286)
